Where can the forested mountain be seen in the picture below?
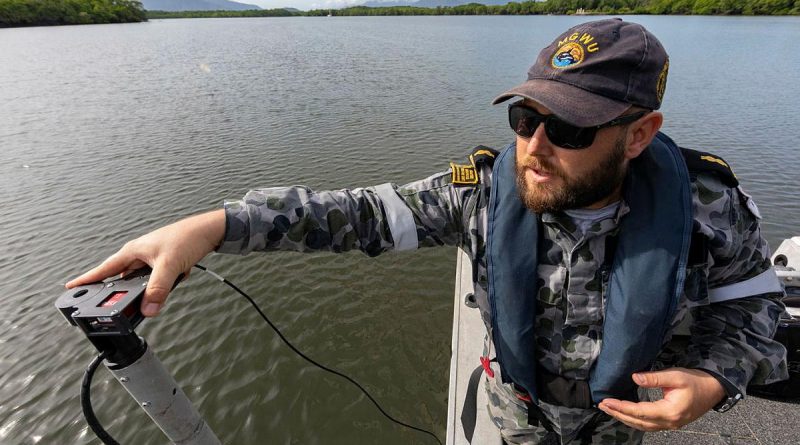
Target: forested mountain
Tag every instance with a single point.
(428, 3)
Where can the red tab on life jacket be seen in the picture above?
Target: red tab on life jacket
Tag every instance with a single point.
(521, 393)
(485, 362)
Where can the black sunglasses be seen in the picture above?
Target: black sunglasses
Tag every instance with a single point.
(524, 120)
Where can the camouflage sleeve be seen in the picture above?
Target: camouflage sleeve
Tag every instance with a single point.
(373, 220)
(732, 329)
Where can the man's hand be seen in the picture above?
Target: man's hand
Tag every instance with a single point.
(169, 251)
(688, 394)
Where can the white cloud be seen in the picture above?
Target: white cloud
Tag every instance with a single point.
(304, 4)
(338, 3)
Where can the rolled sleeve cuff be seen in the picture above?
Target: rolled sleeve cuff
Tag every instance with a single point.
(730, 389)
(237, 229)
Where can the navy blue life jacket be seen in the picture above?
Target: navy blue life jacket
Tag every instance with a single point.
(645, 285)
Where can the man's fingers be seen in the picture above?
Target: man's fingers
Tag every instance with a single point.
(634, 422)
(113, 265)
(646, 416)
(158, 287)
(672, 412)
(668, 378)
(640, 410)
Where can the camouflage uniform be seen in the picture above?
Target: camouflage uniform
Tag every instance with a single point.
(731, 339)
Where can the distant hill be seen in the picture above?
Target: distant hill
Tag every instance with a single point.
(195, 5)
(430, 3)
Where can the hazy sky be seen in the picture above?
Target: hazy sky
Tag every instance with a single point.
(302, 4)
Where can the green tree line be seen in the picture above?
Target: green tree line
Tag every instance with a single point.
(69, 12)
(200, 14)
(74, 12)
(680, 7)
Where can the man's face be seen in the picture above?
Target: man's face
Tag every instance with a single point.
(551, 179)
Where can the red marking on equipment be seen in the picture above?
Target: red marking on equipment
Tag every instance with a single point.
(523, 397)
(113, 299)
(130, 310)
(485, 362)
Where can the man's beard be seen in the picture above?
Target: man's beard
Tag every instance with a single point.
(574, 193)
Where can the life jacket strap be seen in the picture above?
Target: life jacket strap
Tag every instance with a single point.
(535, 415)
(557, 390)
(537, 418)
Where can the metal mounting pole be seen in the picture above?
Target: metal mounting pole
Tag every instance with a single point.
(154, 388)
(108, 313)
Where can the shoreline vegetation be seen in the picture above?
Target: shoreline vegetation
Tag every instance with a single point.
(15, 13)
(587, 7)
(69, 12)
(545, 7)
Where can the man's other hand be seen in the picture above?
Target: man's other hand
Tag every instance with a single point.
(688, 394)
(169, 251)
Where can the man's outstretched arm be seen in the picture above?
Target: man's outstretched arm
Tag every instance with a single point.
(373, 220)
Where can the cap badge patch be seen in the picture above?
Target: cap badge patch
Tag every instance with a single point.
(571, 51)
(568, 55)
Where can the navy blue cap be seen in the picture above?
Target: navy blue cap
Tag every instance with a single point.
(595, 71)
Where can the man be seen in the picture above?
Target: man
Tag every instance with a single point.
(592, 238)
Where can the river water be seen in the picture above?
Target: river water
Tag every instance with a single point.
(109, 131)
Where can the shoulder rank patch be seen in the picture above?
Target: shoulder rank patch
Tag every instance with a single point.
(698, 161)
(484, 155)
(466, 175)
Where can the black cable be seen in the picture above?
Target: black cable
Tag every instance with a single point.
(310, 360)
(103, 435)
(86, 402)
